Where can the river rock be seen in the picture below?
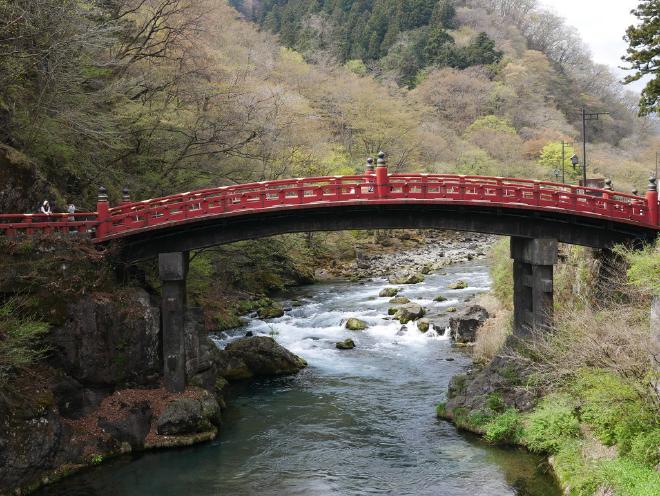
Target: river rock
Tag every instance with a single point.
(399, 300)
(464, 326)
(392, 311)
(439, 299)
(258, 356)
(388, 292)
(423, 325)
(132, 426)
(188, 416)
(406, 278)
(271, 311)
(402, 331)
(408, 312)
(346, 344)
(353, 324)
(458, 285)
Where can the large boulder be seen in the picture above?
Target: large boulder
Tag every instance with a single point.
(408, 312)
(399, 300)
(406, 278)
(132, 426)
(257, 356)
(465, 324)
(423, 325)
(346, 344)
(272, 311)
(353, 324)
(189, 416)
(110, 341)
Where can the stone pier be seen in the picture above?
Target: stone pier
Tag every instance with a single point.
(533, 261)
(173, 269)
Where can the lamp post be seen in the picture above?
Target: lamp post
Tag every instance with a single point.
(575, 161)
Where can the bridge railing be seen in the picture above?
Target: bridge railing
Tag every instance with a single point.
(31, 224)
(293, 193)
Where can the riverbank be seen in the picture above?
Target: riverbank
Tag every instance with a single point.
(583, 394)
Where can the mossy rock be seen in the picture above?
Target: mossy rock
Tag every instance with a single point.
(389, 292)
(406, 278)
(458, 285)
(427, 269)
(392, 311)
(346, 344)
(270, 312)
(399, 300)
(356, 324)
(423, 325)
(452, 309)
(439, 299)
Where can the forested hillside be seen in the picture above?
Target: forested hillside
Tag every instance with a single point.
(170, 95)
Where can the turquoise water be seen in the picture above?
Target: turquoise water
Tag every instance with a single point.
(356, 422)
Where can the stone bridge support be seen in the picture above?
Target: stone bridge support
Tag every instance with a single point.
(533, 261)
(173, 269)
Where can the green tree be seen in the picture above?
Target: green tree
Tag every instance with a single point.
(644, 53)
(551, 157)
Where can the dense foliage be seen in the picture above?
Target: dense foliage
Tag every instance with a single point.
(408, 35)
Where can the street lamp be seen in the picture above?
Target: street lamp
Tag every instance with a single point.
(575, 161)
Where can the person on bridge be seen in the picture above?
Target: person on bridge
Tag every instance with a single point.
(71, 210)
(45, 208)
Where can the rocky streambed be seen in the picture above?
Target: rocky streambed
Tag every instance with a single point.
(359, 418)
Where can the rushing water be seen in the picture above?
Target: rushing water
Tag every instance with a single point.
(354, 423)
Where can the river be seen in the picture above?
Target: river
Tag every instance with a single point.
(355, 422)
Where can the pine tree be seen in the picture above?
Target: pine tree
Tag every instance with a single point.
(444, 14)
(644, 53)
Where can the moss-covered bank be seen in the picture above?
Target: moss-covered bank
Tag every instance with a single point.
(584, 394)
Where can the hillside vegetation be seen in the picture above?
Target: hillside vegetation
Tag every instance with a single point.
(170, 95)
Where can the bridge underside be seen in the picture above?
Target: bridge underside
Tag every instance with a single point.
(534, 237)
(196, 234)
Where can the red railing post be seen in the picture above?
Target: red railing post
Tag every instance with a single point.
(102, 214)
(652, 201)
(382, 182)
(369, 175)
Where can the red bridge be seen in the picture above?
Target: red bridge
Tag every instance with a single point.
(528, 208)
(535, 214)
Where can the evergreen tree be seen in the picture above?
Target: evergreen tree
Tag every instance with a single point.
(482, 51)
(644, 53)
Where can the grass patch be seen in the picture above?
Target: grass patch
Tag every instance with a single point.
(21, 342)
(504, 428)
(552, 423)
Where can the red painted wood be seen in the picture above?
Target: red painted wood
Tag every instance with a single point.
(243, 199)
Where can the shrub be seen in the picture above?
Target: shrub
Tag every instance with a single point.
(645, 448)
(506, 427)
(628, 478)
(613, 408)
(20, 341)
(552, 423)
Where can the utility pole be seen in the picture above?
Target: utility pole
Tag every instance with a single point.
(587, 116)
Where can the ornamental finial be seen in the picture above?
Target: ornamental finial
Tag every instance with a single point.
(103, 194)
(125, 195)
(608, 184)
(652, 183)
(370, 164)
(381, 160)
